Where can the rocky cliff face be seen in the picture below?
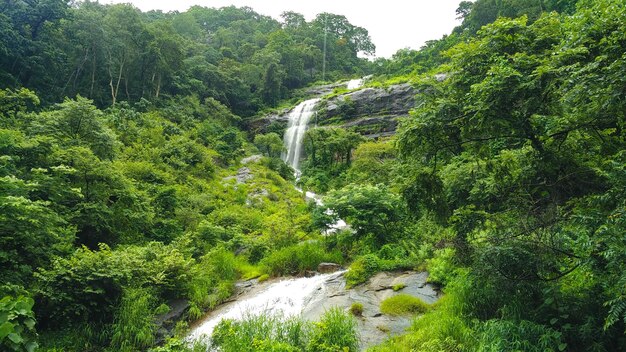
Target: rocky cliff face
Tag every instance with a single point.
(373, 112)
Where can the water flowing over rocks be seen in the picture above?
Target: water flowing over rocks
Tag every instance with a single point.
(299, 119)
(312, 296)
(373, 112)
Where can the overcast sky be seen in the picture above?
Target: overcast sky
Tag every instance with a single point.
(392, 24)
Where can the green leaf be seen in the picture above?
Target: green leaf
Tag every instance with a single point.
(5, 329)
(15, 338)
(553, 321)
(31, 346)
(30, 323)
(562, 347)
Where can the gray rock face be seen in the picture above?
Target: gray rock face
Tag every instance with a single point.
(372, 112)
(327, 268)
(374, 327)
(393, 101)
(165, 322)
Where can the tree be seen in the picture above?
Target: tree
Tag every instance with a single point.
(269, 144)
(370, 210)
(79, 123)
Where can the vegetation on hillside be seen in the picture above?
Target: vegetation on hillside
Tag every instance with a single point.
(124, 186)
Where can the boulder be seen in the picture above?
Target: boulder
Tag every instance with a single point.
(326, 268)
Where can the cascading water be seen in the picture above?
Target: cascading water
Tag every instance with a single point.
(298, 121)
(288, 297)
(355, 83)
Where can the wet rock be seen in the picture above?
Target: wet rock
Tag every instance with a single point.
(165, 323)
(392, 101)
(373, 326)
(327, 268)
(310, 273)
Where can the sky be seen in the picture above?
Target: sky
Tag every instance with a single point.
(392, 24)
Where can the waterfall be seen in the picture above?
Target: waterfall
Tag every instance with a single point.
(298, 121)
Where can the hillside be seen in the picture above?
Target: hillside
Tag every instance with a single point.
(142, 184)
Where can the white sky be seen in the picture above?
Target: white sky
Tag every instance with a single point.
(392, 24)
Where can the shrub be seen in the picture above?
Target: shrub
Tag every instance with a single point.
(362, 269)
(162, 309)
(403, 304)
(441, 268)
(505, 335)
(17, 324)
(356, 309)
(297, 259)
(336, 331)
(260, 333)
(263, 278)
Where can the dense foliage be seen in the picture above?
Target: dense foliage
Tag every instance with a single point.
(125, 186)
(511, 174)
(112, 53)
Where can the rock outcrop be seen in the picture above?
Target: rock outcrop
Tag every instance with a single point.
(373, 112)
(327, 268)
(374, 326)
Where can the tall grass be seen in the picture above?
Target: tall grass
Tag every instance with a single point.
(336, 331)
(133, 329)
(297, 259)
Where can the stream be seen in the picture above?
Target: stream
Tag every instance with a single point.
(310, 297)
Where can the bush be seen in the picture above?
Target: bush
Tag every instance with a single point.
(17, 324)
(263, 278)
(403, 304)
(362, 269)
(297, 259)
(356, 309)
(505, 335)
(336, 331)
(260, 333)
(441, 268)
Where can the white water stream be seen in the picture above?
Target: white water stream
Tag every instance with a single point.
(287, 297)
(355, 83)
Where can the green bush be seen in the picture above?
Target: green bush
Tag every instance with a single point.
(336, 331)
(17, 324)
(362, 269)
(297, 259)
(506, 335)
(398, 287)
(403, 304)
(356, 309)
(441, 268)
(260, 333)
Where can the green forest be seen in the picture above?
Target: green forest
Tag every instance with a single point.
(134, 177)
